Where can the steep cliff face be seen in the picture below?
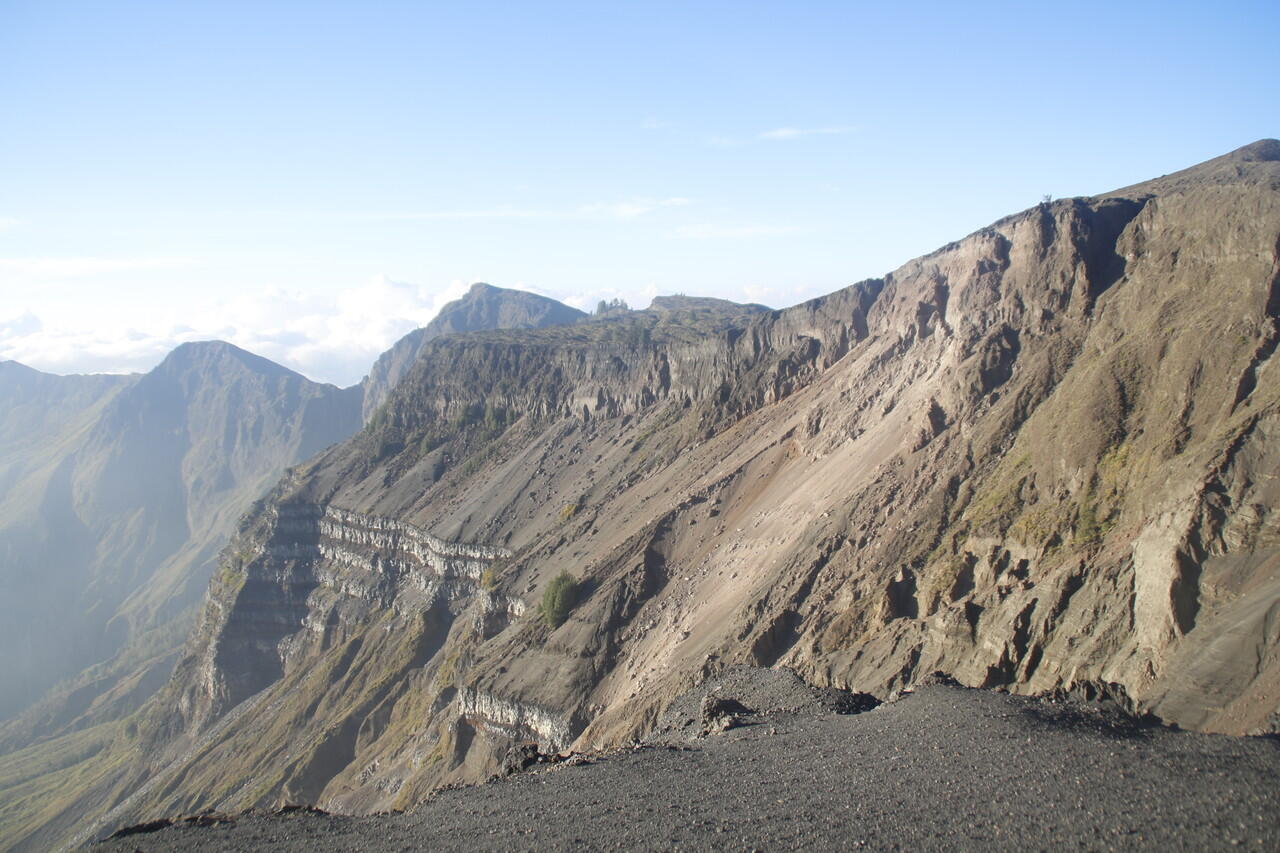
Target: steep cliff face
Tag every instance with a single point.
(329, 571)
(484, 307)
(1015, 460)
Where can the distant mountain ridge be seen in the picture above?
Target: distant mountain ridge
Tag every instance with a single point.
(142, 478)
(123, 488)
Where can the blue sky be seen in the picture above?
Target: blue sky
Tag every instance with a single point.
(311, 180)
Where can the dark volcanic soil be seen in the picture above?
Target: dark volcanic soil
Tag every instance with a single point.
(940, 769)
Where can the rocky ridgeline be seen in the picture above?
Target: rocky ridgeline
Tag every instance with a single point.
(968, 306)
(629, 364)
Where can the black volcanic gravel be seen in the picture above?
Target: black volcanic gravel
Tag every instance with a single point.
(944, 768)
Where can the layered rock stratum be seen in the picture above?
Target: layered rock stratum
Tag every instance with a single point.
(1042, 457)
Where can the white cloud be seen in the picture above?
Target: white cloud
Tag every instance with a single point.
(709, 231)
(8, 223)
(787, 133)
(630, 209)
(47, 268)
(19, 325)
(777, 134)
(652, 123)
(332, 340)
(64, 350)
(338, 340)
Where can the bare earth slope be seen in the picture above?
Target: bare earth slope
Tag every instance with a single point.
(1042, 456)
(942, 769)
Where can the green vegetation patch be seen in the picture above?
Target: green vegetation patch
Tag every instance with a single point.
(450, 668)
(1100, 505)
(230, 577)
(558, 599)
(1000, 500)
(1037, 524)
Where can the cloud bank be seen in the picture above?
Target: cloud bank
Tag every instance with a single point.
(327, 339)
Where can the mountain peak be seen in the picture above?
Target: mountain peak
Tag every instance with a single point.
(16, 366)
(217, 354)
(1257, 152)
(484, 307)
(488, 307)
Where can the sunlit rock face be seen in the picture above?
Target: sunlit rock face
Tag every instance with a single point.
(325, 570)
(1039, 457)
(484, 307)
